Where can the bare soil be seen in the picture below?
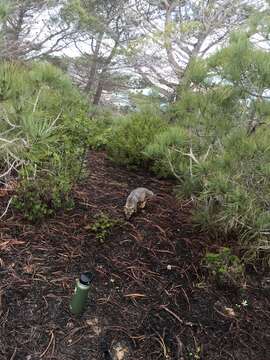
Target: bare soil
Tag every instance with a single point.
(150, 298)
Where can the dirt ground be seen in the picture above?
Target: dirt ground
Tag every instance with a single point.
(150, 298)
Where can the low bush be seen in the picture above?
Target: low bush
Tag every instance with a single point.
(130, 136)
(40, 197)
(44, 135)
(100, 128)
(235, 198)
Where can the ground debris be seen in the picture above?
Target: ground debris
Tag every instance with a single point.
(149, 299)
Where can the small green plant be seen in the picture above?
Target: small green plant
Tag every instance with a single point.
(224, 267)
(102, 226)
(42, 197)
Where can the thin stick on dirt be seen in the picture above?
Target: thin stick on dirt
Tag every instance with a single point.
(180, 355)
(8, 170)
(47, 348)
(188, 323)
(7, 207)
(14, 354)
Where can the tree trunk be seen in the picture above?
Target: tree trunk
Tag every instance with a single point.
(102, 77)
(98, 92)
(93, 69)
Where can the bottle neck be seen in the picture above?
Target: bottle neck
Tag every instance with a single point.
(82, 286)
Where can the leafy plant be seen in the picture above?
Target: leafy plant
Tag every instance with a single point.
(102, 226)
(224, 267)
(41, 192)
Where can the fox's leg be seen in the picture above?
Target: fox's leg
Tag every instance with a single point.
(142, 204)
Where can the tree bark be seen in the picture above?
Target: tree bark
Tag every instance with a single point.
(102, 77)
(93, 69)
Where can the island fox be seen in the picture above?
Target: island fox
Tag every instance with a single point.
(137, 197)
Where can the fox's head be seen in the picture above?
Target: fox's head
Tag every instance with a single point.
(129, 210)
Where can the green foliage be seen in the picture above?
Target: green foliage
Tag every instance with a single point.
(131, 134)
(243, 65)
(82, 14)
(224, 267)
(102, 226)
(197, 71)
(140, 101)
(208, 114)
(192, 27)
(4, 9)
(42, 196)
(230, 183)
(56, 89)
(100, 129)
(235, 198)
(11, 81)
(164, 152)
(45, 131)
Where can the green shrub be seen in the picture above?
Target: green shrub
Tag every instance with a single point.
(41, 197)
(100, 128)
(131, 135)
(235, 196)
(102, 226)
(164, 152)
(231, 184)
(44, 131)
(224, 268)
(45, 74)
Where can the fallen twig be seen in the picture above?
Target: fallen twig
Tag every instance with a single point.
(6, 210)
(47, 348)
(188, 323)
(180, 354)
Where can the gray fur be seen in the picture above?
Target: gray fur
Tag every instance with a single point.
(137, 197)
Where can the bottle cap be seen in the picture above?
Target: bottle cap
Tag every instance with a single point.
(86, 278)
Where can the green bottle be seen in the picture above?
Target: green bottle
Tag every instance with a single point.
(80, 296)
